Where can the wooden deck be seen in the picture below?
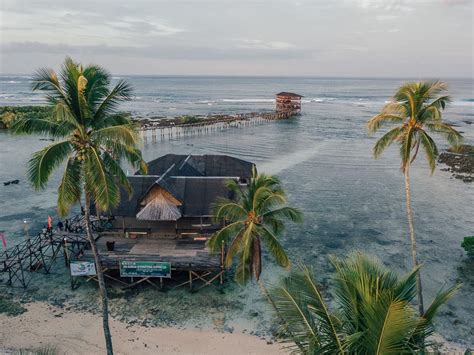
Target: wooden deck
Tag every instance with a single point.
(183, 254)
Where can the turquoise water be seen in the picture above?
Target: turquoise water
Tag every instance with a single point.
(324, 159)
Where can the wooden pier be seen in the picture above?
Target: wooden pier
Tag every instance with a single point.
(177, 128)
(189, 257)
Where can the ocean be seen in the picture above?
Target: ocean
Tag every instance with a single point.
(324, 159)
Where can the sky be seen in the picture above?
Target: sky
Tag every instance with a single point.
(342, 38)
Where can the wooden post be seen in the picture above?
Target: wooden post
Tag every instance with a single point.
(222, 264)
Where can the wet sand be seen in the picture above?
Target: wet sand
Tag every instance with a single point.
(81, 333)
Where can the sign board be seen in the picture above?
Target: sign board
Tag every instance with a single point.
(82, 268)
(145, 269)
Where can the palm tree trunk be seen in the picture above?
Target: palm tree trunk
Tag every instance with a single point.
(100, 277)
(412, 238)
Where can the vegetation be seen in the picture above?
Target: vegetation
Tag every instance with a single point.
(416, 108)
(255, 215)
(10, 307)
(91, 139)
(46, 350)
(189, 119)
(468, 245)
(372, 313)
(8, 114)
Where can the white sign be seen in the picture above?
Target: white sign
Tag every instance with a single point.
(82, 268)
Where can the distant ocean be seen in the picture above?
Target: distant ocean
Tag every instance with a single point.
(324, 159)
(177, 95)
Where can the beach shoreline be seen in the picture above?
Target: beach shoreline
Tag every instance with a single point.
(80, 333)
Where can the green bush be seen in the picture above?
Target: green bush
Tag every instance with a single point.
(10, 113)
(189, 119)
(10, 307)
(468, 245)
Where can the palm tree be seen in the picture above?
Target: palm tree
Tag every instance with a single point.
(255, 215)
(416, 108)
(371, 314)
(91, 141)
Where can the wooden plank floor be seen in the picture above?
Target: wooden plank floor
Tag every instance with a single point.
(181, 253)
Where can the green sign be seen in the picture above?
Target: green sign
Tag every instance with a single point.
(145, 269)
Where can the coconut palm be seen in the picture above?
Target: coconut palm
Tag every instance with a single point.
(255, 215)
(416, 109)
(91, 139)
(371, 311)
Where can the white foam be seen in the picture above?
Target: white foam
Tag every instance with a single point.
(249, 100)
(462, 103)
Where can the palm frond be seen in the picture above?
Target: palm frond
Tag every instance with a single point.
(306, 317)
(269, 201)
(43, 162)
(70, 188)
(224, 234)
(243, 273)
(47, 80)
(274, 247)
(406, 290)
(121, 92)
(392, 112)
(406, 145)
(98, 80)
(229, 210)
(290, 213)
(426, 327)
(235, 247)
(451, 134)
(45, 127)
(100, 182)
(114, 168)
(387, 139)
(390, 324)
(429, 146)
(123, 134)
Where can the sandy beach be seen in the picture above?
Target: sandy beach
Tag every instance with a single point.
(76, 333)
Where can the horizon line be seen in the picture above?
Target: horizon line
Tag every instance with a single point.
(276, 76)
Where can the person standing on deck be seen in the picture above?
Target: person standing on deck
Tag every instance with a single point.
(50, 224)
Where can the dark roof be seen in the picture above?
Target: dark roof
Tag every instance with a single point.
(129, 204)
(195, 180)
(290, 94)
(196, 193)
(200, 165)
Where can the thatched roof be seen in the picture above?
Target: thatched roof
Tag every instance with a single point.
(190, 186)
(289, 94)
(196, 194)
(159, 209)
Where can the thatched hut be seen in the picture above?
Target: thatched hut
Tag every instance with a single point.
(177, 196)
(288, 102)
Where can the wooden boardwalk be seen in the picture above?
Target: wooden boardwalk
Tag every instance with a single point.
(38, 254)
(173, 128)
(183, 254)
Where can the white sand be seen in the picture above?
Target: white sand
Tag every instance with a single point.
(81, 333)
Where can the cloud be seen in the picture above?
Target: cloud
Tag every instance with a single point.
(456, 2)
(139, 26)
(160, 51)
(388, 5)
(383, 18)
(260, 44)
